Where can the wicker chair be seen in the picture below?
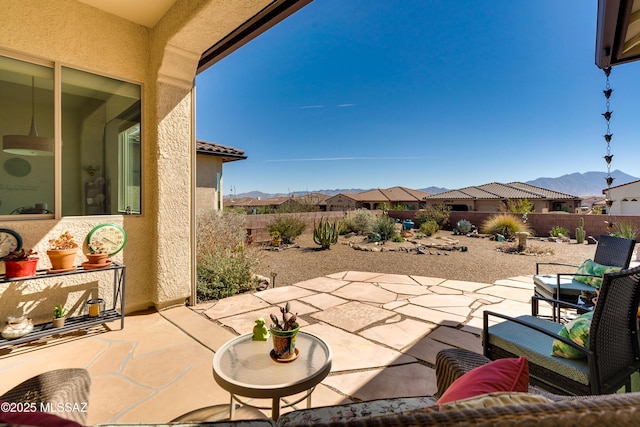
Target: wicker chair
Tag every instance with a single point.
(613, 353)
(612, 251)
(60, 386)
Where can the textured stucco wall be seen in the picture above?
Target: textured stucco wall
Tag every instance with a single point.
(163, 60)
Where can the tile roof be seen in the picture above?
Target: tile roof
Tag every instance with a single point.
(228, 154)
(496, 190)
(393, 194)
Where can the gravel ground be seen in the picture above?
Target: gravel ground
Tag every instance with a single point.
(482, 262)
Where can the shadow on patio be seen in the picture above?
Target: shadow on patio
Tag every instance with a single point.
(384, 332)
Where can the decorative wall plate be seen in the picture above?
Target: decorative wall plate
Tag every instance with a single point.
(16, 166)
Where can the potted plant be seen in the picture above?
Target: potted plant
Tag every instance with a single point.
(284, 335)
(98, 253)
(62, 252)
(59, 315)
(22, 263)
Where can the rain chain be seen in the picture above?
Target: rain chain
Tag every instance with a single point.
(607, 137)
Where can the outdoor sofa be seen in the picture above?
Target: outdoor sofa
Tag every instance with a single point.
(534, 408)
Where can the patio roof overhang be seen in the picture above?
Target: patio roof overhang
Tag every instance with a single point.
(274, 13)
(618, 32)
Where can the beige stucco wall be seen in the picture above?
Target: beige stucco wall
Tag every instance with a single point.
(158, 254)
(207, 192)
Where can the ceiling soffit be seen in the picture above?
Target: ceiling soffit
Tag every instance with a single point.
(618, 32)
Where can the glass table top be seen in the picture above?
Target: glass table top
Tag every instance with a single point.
(242, 364)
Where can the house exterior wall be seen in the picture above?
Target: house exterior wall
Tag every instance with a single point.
(159, 251)
(207, 192)
(340, 202)
(626, 199)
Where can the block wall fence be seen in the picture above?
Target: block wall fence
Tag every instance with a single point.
(541, 223)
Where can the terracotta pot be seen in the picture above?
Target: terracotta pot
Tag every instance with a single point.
(284, 343)
(58, 322)
(62, 259)
(21, 268)
(97, 258)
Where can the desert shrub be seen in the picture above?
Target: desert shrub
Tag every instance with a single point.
(288, 226)
(224, 264)
(557, 231)
(505, 224)
(384, 227)
(430, 227)
(438, 213)
(517, 206)
(359, 222)
(463, 226)
(625, 229)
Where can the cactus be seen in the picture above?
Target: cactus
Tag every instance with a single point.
(289, 321)
(325, 234)
(580, 233)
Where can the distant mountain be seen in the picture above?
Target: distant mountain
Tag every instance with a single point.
(433, 190)
(576, 184)
(582, 184)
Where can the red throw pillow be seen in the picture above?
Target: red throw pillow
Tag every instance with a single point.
(500, 375)
(25, 414)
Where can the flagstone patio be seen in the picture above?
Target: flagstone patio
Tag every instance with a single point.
(384, 331)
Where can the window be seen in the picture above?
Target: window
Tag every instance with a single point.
(100, 121)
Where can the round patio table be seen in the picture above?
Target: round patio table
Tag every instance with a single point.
(245, 368)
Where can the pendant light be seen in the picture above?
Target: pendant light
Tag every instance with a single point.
(32, 144)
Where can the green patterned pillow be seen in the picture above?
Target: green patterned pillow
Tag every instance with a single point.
(577, 331)
(594, 269)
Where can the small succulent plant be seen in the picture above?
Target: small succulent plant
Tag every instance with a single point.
(59, 311)
(64, 241)
(289, 321)
(21, 255)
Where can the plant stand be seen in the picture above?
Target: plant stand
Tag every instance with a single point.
(77, 322)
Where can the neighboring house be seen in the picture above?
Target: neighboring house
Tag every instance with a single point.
(310, 201)
(111, 88)
(209, 180)
(342, 202)
(492, 197)
(385, 198)
(625, 198)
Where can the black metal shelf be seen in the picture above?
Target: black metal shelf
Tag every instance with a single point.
(76, 322)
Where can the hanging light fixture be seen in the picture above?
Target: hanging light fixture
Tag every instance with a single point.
(31, 144)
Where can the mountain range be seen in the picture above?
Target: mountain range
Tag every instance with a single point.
(576, 184)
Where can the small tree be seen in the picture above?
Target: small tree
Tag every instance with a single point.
(289, 226)
(438, 213)
(517, 206)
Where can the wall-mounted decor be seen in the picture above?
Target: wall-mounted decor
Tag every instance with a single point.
(16, 166)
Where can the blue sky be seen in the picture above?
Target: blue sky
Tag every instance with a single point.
(374, 94)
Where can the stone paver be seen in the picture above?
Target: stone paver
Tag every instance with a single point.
(353, 352)
(509, 292)
(322, 284)
(234, 305)
(402, 289)
(323, 300)
(463, 286)
(393, 278)
(408, 380)
(398, 335)
(433, 316)
(383, 330)
(427, 281)
(283, 294)
(366, 292)
(353, 316)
